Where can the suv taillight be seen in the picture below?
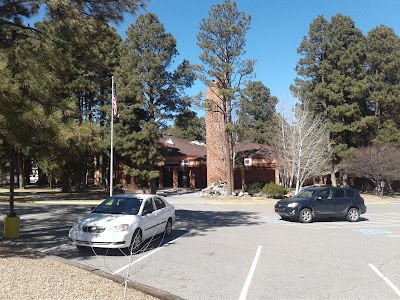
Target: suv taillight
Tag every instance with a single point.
(362, 199)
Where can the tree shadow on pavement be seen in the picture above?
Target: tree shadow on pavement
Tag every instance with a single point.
(147, 246)
(45, 228)
(203, 221)
(20, 251)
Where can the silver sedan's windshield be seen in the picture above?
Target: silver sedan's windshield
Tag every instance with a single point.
(118, 205)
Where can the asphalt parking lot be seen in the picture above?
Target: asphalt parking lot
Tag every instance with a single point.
(240, 249)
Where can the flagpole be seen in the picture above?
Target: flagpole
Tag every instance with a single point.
(112, 136)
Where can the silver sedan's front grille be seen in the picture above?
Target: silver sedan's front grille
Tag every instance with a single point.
(92, 229)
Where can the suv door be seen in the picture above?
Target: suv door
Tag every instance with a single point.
(341, 201)
(323, 204)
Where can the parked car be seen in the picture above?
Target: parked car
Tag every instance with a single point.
(322, 202)
(124, 221)
(33, 178)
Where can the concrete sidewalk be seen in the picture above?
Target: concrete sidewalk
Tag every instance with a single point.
(375, 199)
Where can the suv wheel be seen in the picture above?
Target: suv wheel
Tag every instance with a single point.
(305, 215)
(353, 215)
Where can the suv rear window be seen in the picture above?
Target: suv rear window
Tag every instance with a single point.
(350, 193)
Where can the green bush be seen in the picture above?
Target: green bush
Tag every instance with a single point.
(274, 190)
(254, 188)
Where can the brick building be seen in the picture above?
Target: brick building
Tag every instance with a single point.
(197, 166)
(185, 164)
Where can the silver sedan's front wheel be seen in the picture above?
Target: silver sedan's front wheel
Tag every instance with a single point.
(136, 241)
(305, 215)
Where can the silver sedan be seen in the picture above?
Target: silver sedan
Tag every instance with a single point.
(124, 221)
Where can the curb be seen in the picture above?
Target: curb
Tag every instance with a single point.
(148, 290)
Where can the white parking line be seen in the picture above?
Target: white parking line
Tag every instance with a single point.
(50, 249)
(381, 221)
(385, 279)
(143, 257)
(245, 289)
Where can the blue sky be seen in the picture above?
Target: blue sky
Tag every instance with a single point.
(277, 28)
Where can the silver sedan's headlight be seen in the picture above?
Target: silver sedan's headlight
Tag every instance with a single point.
(293, 204)
(119, 228)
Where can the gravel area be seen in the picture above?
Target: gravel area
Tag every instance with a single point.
(30, 275)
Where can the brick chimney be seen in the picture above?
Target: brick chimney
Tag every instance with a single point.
(215, 128)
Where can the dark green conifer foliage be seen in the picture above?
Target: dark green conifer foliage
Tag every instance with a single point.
(188, 126)
(79, 58)
(150, 95)
(12, 12)
(257, 109)
(222, 38)
(383, 67)
(332, 79)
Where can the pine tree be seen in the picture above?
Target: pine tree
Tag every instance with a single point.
(383, 67)
(80, 58)
(332, 79)
(222, 38)
(12, 12)
(188, 126)
(256, 113)
(150, 95)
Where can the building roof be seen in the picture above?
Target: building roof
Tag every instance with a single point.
(251, 149)
(181, 147)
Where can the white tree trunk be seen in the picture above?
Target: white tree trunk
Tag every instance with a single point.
(302, 147)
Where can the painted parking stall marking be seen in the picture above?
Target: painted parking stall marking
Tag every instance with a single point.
(246, 286)
(145, 256)
(387, 224)
(268, 221)
(371, 231)
(397, 291)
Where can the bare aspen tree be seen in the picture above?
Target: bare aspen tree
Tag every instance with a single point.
(283, 151)
(376, 162)
(301, 147)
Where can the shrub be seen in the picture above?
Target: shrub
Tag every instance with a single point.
(254, 188)
(274, 190)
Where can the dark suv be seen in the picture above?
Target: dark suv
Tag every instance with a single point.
(320, 202)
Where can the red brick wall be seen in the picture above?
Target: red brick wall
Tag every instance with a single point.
(253, 175)
(214, 137)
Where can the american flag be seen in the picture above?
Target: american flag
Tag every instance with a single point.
(115, 102)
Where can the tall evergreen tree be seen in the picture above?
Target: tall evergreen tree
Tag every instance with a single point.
(222, 38)
(383, 67)
(188, 126)
(12, 12)
(80, 59)
(332, 79)
(256, 113)
(150, 94)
